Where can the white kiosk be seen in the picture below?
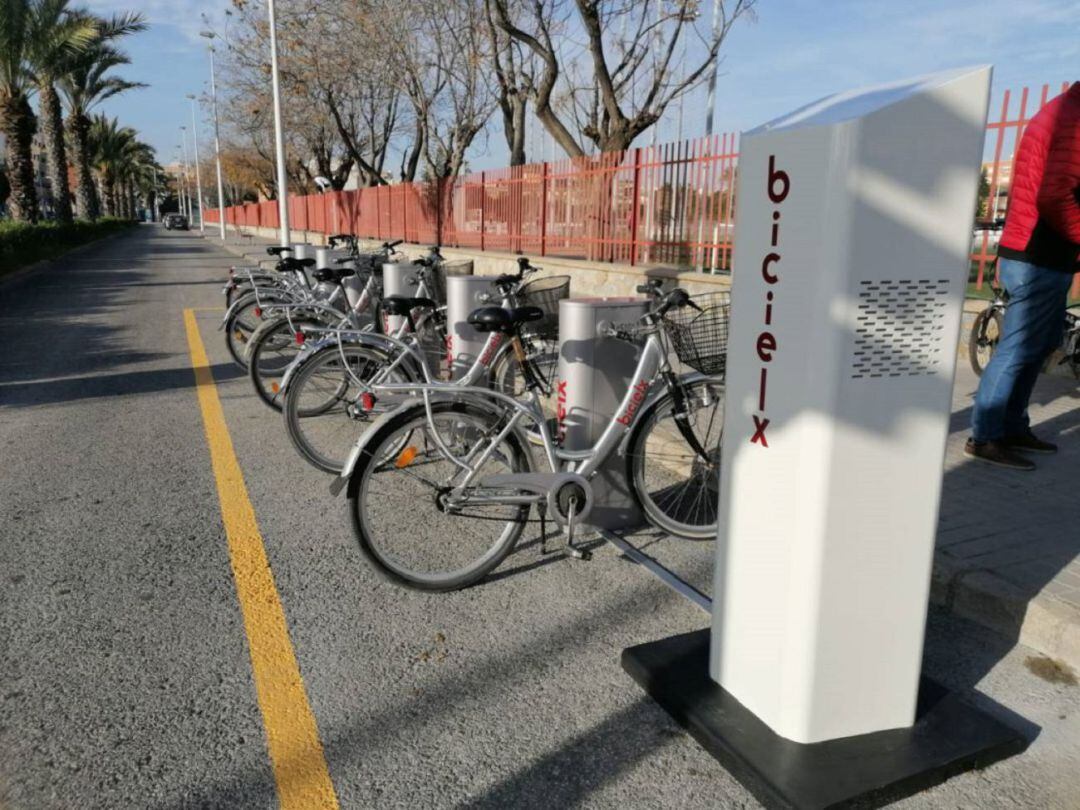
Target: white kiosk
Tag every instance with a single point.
(850, 266)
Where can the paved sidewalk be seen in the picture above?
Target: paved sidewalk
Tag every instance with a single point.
(1009, 543)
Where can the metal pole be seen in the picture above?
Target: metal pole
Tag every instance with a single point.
(217, 146)
(198, 173)
(187, 171)
(710, 102)
(279, 135)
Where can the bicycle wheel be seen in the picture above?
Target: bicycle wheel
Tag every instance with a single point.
(984, 337)
(676, 489)
(397, 498)
(321, 415)
(271, 349)
(543, 354)
(243, 321)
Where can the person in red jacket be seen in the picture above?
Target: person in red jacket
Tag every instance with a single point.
(1036, 259)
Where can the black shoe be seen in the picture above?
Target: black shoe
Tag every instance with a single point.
(1028, 443)
(997, 453)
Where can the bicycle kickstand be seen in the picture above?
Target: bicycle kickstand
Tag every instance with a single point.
(571, 549)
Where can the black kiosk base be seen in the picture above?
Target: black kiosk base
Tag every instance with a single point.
(868, 770)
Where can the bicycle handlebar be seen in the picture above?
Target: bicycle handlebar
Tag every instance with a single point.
(392, 245)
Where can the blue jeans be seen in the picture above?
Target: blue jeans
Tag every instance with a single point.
(1034, 327)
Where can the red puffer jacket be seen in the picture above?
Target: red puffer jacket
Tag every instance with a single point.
(1042, 226)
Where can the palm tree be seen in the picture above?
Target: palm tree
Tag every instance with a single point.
(29, 27)
(50, 64)
(83, 87)
(122, 162)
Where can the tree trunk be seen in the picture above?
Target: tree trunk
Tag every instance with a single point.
(85, 200)
(516, 139)
(17, 124)
(133, 203)
(412, 160)
(107, 196)
(52, 128)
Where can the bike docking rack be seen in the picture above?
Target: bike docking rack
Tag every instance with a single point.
(464, 344)
(840, 366)
(594, 375)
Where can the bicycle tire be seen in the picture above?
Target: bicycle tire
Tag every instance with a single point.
(271, 333)
(299, 424)
(519, 461)
(239, 328)
(979, 339)
(671, 453)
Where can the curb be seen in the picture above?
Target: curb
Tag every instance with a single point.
(1042, 622)
(240, 251)
(42, 264)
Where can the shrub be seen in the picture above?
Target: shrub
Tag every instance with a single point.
(23, 243)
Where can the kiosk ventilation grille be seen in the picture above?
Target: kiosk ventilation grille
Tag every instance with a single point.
(900, 328)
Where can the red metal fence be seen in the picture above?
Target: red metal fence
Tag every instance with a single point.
(580, 208)
(669, 205)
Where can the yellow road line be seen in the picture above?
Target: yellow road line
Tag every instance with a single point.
(303, 780)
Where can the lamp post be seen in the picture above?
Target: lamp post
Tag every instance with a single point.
(181, 184)
(187, 173)
(710, 102)
(217, 140)
(198, 173)
(279, 135)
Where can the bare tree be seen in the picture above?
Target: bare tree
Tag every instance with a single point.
(514, 74)
(628, 59)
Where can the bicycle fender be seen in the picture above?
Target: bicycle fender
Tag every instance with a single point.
(306, 351)
(655, 398)
(229, 312)
(344, 477)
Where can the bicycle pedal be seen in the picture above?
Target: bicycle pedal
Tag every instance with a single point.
(578, 553)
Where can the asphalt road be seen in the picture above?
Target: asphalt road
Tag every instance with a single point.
(125, 674)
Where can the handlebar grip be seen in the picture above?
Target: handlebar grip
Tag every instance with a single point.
(644, 289)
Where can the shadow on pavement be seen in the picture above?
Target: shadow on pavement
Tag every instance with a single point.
(69, 389)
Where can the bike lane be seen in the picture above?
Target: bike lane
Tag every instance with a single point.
(125, 674)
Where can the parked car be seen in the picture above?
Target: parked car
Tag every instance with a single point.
(175, 222)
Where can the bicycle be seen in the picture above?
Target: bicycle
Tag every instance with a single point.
(292, 286)
(323, 393)
(280, 337)
(243, 280)
(989, 325)
(428, 481)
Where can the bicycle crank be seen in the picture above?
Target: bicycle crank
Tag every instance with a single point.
(558, 490)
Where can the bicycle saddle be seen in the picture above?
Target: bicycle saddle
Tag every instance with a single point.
(497, 319)
(277, 250)
(333, 273)
(403, 305)
(288, 263)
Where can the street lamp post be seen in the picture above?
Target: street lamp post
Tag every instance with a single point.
(181, 184)
(710, 102)
(187, 173)
(198, 173)
(217, 140)
(279, 135)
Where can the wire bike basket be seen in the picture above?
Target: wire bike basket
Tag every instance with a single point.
(700, 338)
(545, 293)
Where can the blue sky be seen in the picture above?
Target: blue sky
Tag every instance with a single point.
(795, 52)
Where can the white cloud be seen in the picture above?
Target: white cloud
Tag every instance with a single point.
(184, 15)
